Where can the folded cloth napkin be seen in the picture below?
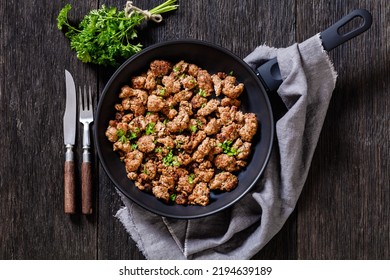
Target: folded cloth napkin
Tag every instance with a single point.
(242, 230)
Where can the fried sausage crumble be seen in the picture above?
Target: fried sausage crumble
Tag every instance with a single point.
(180, 133)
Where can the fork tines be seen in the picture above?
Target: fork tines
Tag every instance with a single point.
(86, 99)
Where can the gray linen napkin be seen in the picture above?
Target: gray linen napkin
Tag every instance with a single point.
(242, 230)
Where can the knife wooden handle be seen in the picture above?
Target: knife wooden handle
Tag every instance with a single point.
(86, 188)
(69, 188)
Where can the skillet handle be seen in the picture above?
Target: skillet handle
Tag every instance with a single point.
(269, 72)
(332, 38)
(269, 75)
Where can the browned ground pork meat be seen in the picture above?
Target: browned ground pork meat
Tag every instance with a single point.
(176, 140)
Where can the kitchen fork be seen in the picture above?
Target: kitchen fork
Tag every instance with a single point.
(86, 118)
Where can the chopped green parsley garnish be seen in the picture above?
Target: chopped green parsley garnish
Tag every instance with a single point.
(134, 146)
(145, 171)
(171, 160)
(193, 128)
(121, 136)
(150, 128)
(227, 149)
(132, 135)
(172, 197)
(124, 137)
(175, 161)
(202, 93)
(191, 178)
(167, 160)
(161, 92)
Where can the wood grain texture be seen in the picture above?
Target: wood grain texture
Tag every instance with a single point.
(343, 212)
(33, 59)
(86, 189)
(69, 188)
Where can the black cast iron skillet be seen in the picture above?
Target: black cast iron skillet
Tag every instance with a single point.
(254, 99)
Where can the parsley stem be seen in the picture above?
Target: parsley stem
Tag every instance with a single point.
(164, 7)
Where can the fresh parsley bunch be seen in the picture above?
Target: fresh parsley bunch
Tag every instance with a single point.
(105, 35)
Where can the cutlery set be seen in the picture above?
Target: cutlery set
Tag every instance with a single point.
(69, 121)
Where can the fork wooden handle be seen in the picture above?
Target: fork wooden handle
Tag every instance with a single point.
(69, 188)
(86, 188)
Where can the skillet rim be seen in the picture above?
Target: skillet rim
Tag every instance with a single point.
(194, 42)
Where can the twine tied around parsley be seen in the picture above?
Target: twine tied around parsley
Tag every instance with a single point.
(130, 9)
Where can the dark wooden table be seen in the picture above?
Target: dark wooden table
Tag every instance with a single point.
(343, 212)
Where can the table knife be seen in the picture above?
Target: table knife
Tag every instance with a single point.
(69, 140)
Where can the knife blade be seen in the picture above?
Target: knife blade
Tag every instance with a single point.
(69, 122)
